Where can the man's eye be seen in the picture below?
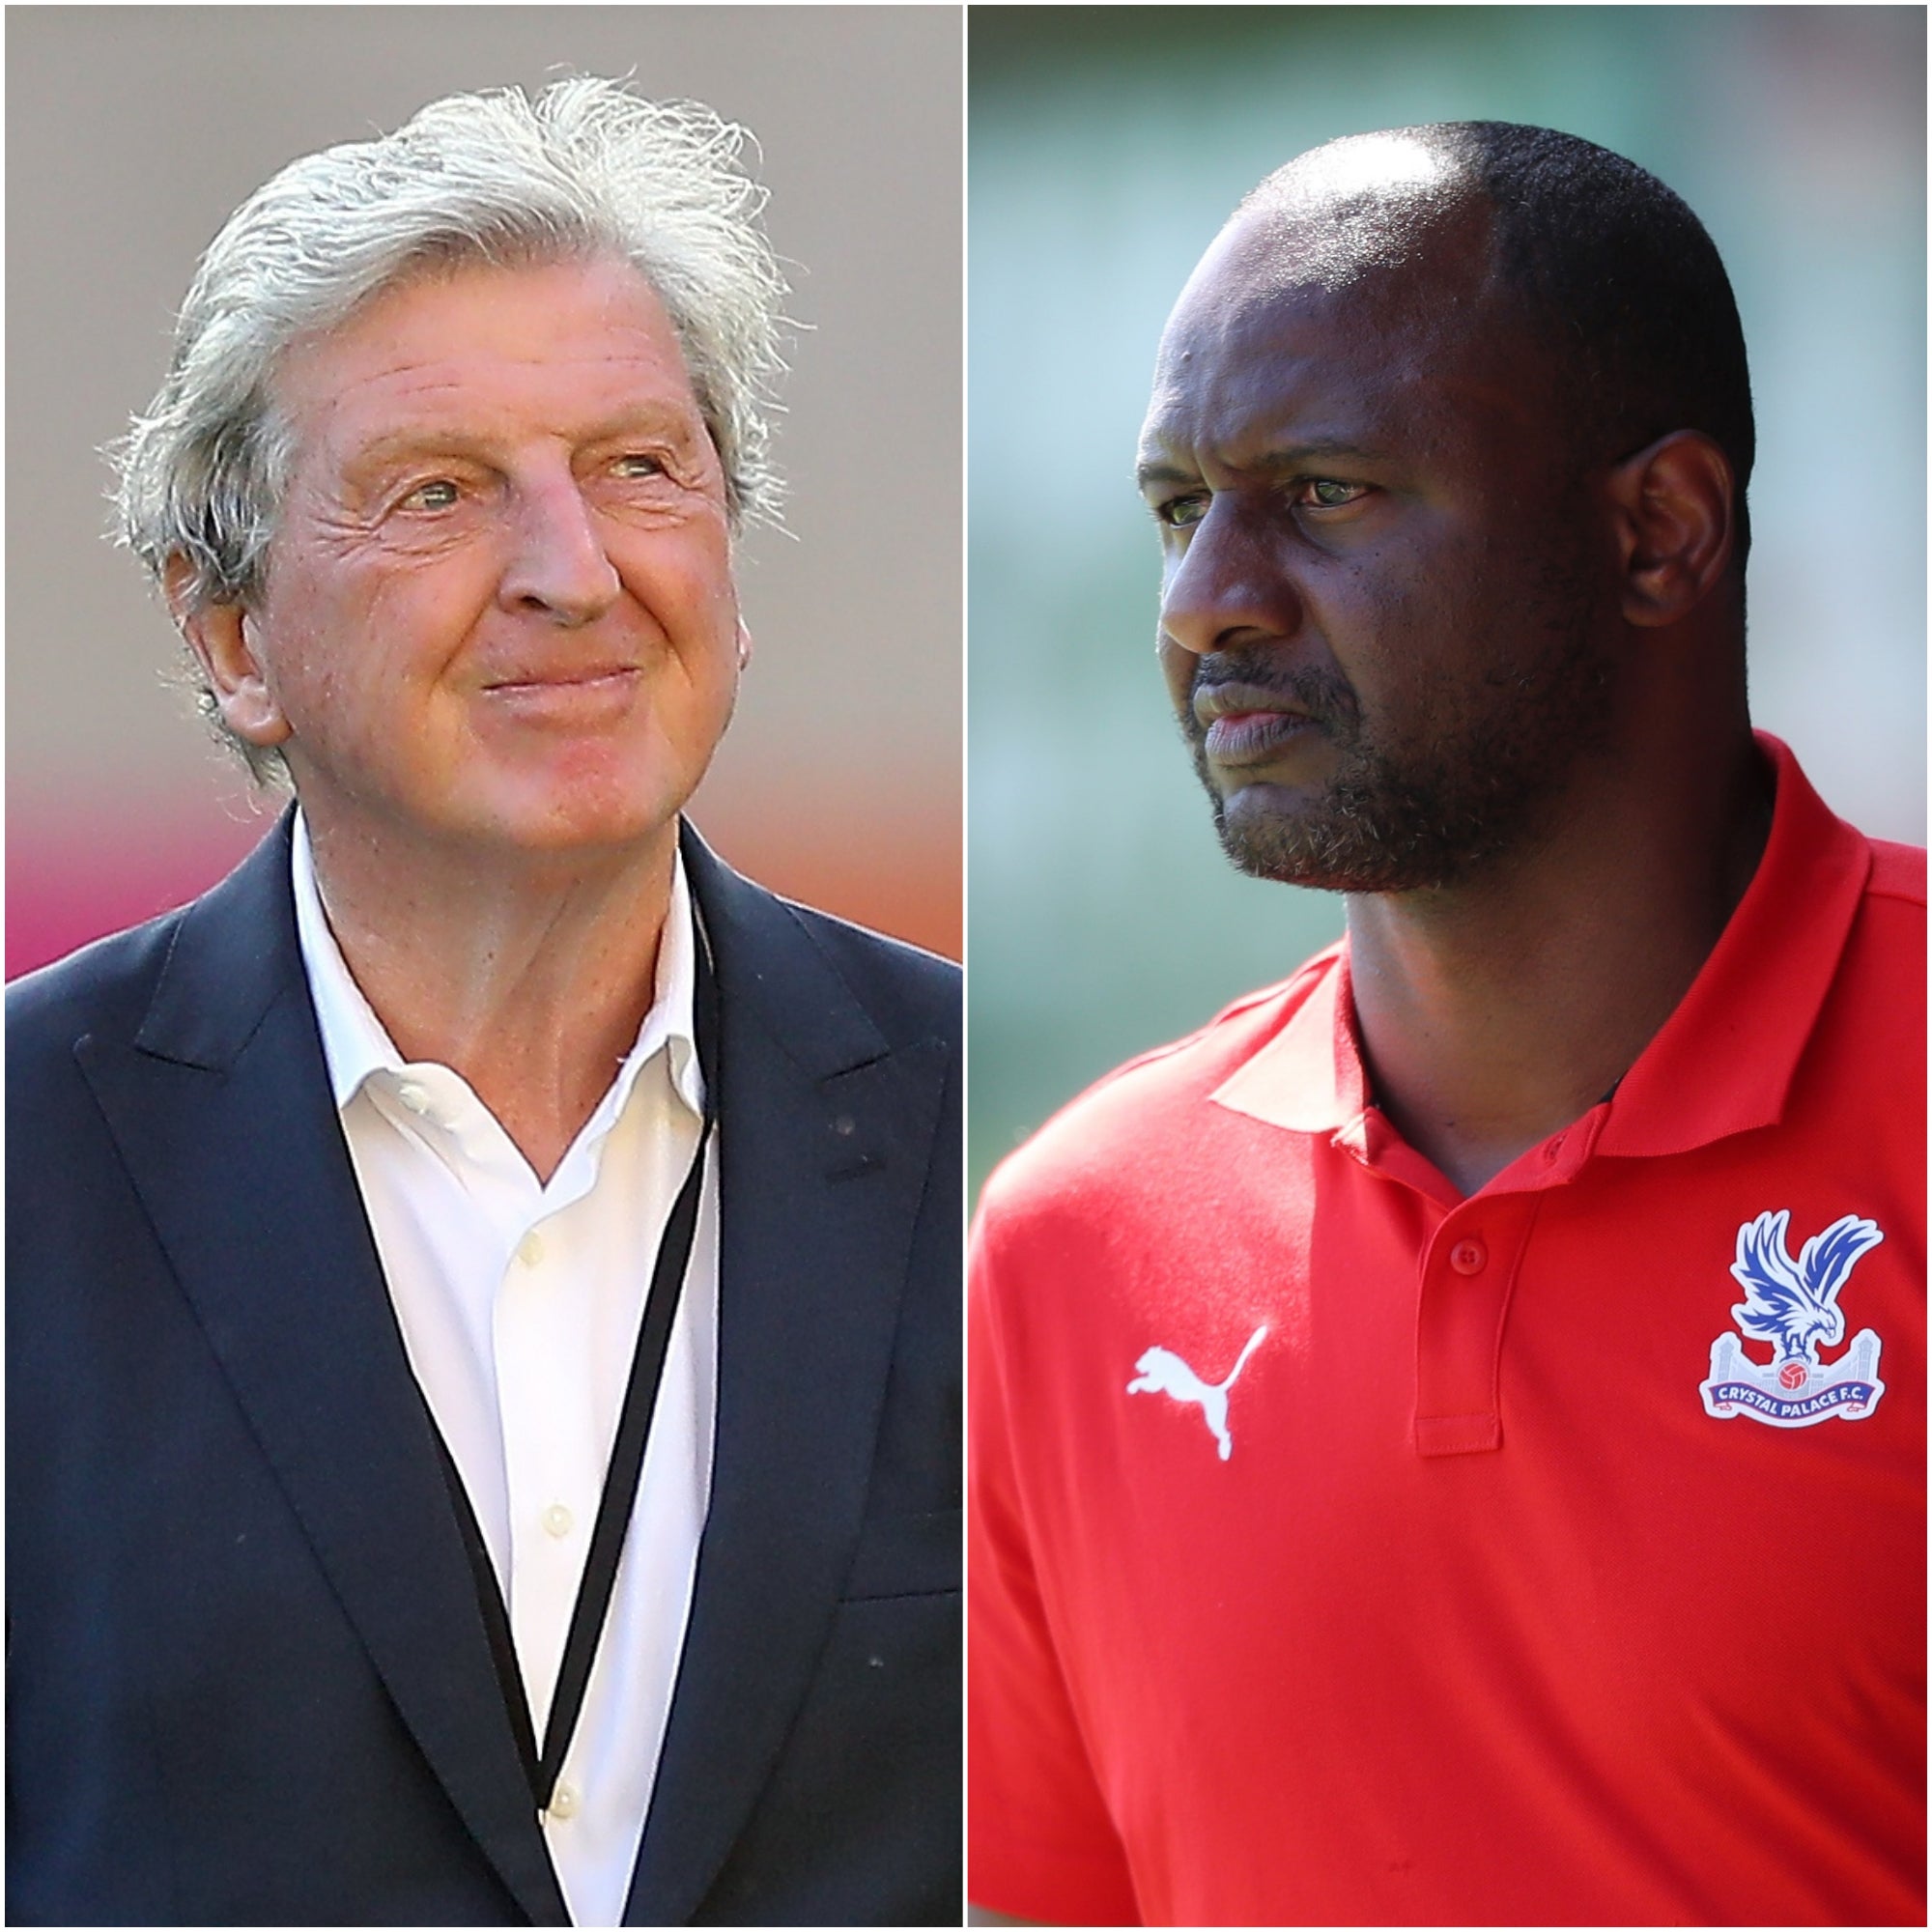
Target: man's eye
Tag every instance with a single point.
(637, 464)
(438, 494)
(1323, 492)
(1182, 512)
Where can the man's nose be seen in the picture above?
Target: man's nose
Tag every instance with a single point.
(1230, 586)
(558, 565)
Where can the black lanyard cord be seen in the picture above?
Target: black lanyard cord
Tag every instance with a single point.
(592, 1608)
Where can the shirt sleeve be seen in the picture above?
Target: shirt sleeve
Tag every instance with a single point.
(1041, 1843)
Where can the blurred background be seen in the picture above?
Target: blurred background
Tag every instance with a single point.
(133, 132)
(1105, 148)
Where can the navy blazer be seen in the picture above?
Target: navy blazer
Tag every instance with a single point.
(249, 1681)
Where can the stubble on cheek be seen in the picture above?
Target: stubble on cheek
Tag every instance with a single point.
(1445, 775)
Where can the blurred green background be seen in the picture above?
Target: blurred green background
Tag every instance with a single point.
(1105, 147)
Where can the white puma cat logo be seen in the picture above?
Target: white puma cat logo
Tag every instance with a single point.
(1163, 1373)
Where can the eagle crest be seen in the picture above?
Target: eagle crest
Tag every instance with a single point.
(1794, 1305)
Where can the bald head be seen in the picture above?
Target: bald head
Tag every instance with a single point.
(1483, 224)
(1388, 233)
(1363, 204)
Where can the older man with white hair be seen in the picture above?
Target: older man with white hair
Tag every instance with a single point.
(483, 1281)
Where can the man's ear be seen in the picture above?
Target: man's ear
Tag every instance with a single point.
(219, 635)
(1675, 524)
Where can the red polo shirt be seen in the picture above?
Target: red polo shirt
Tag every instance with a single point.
(1348, 1551)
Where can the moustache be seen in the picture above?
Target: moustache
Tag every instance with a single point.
(1255, 681)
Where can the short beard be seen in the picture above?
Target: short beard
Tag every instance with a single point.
(1398, 818)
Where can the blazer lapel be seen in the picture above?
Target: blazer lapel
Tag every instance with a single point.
(222, 1111)
(823, 1133)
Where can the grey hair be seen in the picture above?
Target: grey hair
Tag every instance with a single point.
(585, 169)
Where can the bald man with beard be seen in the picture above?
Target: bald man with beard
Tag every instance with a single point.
(1447, 1438)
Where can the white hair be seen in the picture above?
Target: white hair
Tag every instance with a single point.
(584, 170)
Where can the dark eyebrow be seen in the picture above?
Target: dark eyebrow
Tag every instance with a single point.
(1159, 472)
(1290, 460)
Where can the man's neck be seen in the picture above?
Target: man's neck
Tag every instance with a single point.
(530, 979)
(1494, 1012)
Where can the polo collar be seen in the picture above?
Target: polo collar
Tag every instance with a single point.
(1723, 1061)
(1720, 1065)
(1308, 1077)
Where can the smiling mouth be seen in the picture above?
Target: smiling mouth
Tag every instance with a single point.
(538, 680)
(567, 696)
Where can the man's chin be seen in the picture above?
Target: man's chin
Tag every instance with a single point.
(1303, 844)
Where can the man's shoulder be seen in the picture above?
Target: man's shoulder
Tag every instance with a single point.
(1093, 1151)
(1877, 1005)
(1882, 971)
(104, 987)
(1898, 873)
(917, 988)
(774, 949)
(223, 954)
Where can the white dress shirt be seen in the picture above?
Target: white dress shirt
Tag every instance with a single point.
(519, 1303)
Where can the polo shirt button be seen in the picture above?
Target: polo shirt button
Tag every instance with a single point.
(530, 1249)
(1468, 1256)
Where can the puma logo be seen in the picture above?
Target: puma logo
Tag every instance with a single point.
(1163, 1373)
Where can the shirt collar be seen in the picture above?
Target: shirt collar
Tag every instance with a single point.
(1723, 1063)
(1307, 1077)
(356, 1045)
(1720, 1065)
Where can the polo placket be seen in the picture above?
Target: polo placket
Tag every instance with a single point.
(1467, 1275)
(1465, 1286)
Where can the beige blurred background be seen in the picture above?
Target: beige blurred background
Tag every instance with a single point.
(133, 132)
